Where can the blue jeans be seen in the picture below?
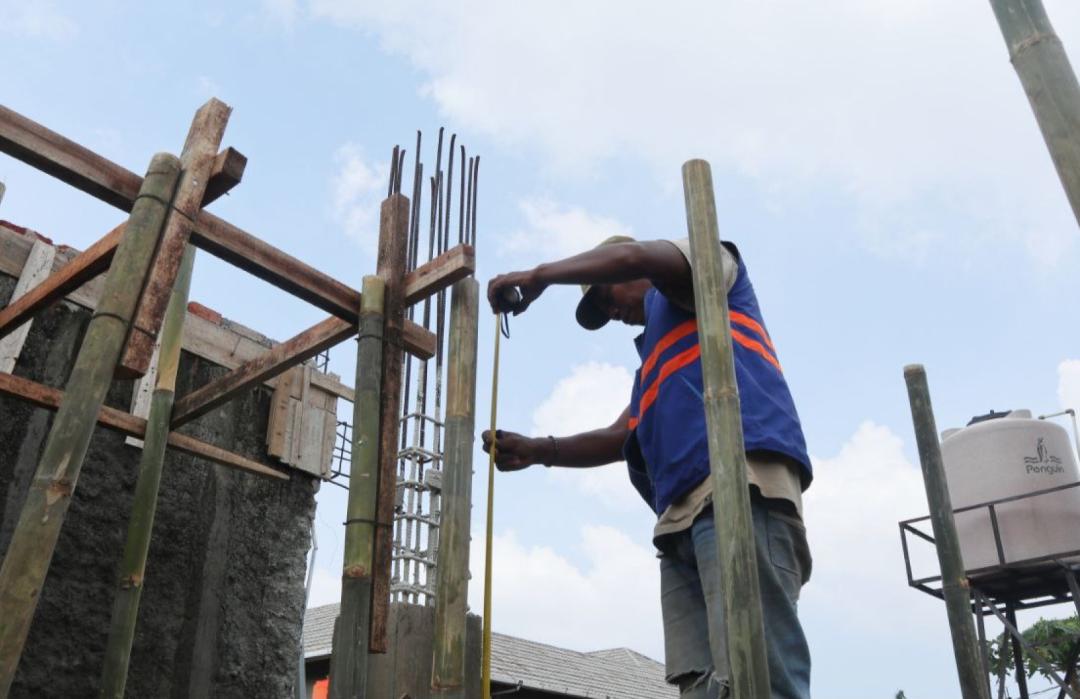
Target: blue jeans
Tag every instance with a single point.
(693, 609)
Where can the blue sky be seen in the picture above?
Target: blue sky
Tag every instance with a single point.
(877, 163)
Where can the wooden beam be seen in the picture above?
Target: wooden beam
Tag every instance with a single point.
(49, 398)
(281, 358)
(90, 263)
(251, 254)
(66, 160)
(197, 159)
(429, 279)
(228, 170)
(80, 167)
(36, 269)
(46, 150)
(393, 243)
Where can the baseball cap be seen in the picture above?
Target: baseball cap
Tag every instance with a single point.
(588, 314)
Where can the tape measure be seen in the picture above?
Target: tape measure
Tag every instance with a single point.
(511, 297)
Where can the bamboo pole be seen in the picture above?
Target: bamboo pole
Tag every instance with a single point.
(137, 547)
(1048, 79)
(34, 539)
(954, 582)
(747, 658)
(348, 662)
(448, 663)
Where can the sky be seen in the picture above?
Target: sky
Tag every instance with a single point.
(877, 164)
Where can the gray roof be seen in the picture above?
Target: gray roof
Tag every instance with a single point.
(615, 673)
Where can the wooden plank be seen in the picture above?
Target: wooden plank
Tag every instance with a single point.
(393, 238)
(37, 268)
(276, 428)
(429, 279)
(282, 357)
(87, 265)
(197, 159)
(78, 166)
(47, 397)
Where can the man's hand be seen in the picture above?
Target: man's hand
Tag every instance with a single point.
(526, 282)
(513, 451)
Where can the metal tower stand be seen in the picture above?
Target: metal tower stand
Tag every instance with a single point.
(1002, 589)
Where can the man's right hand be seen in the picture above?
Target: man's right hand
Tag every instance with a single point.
(514, 451)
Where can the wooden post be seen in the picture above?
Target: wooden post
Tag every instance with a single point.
(34, 539)
(954, 582)
(393, 243)
(133, 564)
(1050, 83)
(197, 160)
(452, 586)
(348, 663)
(747, 657)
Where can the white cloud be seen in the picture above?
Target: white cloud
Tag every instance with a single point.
(36, 20)
(560, 231)
(612, 600)
(851, 512)
(358, 187)
(883, 102)
(592, 396)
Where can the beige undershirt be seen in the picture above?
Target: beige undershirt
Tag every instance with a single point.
(775, 475)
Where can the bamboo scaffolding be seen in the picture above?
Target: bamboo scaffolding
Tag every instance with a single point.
(348, 662)
(974, 683)
(448, 665)
(1048, 79)
(737, 559)
(34, 539)
(132, 571)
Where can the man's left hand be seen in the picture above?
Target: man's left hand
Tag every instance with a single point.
(525, 282)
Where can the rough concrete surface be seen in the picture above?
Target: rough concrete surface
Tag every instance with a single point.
(222, 608)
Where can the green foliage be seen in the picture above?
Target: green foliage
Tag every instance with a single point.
(900, 695)
(1056, 639)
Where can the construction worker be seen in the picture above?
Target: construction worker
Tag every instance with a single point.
(662, 437)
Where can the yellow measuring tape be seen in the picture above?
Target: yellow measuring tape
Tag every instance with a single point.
(486, 649)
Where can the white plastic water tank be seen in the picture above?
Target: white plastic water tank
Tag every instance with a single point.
(1002, 457)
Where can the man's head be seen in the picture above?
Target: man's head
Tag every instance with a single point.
(624, 301)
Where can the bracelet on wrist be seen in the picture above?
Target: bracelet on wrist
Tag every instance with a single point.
(553, 457)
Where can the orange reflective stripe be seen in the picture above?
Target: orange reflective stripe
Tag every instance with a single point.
(320, 689)
(672, 365)
(755, 346)
(632, 423)
(743, 319)
(674, 335)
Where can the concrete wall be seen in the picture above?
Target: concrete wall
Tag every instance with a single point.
(222, 609)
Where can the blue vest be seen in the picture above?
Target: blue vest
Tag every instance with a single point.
(667, 451)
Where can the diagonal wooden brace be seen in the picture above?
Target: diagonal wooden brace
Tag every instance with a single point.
(279, 359)
(87, 265)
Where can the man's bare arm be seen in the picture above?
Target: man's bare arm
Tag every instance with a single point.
(657, 260)
(594, 448)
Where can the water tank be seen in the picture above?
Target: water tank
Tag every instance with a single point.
(1012, 454)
